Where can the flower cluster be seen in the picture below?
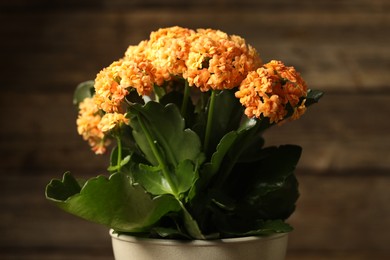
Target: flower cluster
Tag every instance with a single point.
(218, 61)
(267, 91)
(208, 60)
(88, 125)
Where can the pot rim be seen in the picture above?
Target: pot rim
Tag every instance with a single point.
(211, 242)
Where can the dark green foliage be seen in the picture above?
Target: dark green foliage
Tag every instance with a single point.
(176, 174)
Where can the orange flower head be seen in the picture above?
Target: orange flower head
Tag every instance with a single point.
(113, 83)
(88, 119)
(109, 93)
(112, 120)
(168, 50)
(219, 61)
(270, 89)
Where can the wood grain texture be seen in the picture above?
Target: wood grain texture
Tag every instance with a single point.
(341, 47)
(334, 50)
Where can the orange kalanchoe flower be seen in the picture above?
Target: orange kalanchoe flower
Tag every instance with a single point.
(87, 125)
(168, 50)
(111, 120)
(109, 94)
(140, 72)
(267, 91)
(137, 74)
(219, 61)
(113, 83)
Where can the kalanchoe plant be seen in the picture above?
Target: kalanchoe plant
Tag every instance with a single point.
(187, 110)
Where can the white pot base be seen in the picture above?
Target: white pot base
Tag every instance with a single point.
(260, 248)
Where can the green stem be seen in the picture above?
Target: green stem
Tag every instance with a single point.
(185, 99)
(210, 116)
(158, 156)
(119, 155)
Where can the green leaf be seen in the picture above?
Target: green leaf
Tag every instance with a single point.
(165, 127)
(152, 178)
(83, 90)
(214, 173)
(191, 225)
(186, 175)
(177, 98)
(173, 97)
(175, 151)
(279, 201)
(253, 192)
(170, 233)
(267, 188)
(230, 150)
(212, 167)
(63, 189)
(273, 226)
(264, 228)
(237, 223)
(252, 151)
(313, 96)
(247, 123)
(113, 202)
(159, 91)
(244, 140)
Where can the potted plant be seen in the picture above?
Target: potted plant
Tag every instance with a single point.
(184, 113)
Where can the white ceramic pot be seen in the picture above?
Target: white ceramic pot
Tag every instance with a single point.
(260, 248)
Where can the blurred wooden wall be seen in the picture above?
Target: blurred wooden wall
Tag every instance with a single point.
(339, 46)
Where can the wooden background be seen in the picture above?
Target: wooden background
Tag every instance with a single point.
(340, 46)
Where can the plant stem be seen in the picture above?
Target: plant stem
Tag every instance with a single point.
(210, 116)
(119, 155)
(185, 99)
(158, 156)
